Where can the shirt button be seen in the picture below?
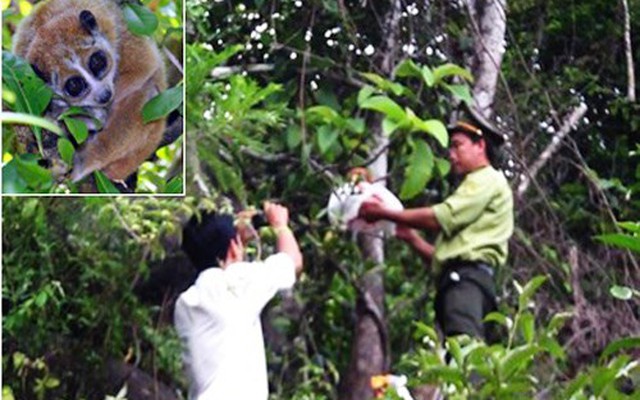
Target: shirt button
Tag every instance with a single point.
(454, 276)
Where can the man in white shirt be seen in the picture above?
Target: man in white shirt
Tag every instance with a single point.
(218, 317)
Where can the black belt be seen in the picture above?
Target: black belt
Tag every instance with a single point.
(452, 264)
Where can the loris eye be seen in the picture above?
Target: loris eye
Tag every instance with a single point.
(74, 86)
(98, 63)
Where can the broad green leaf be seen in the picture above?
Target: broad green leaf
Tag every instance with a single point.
(294, 136)
(436, 129)
(161, 105)
(32, 93)
(443, 167)
(11, 180)
(621, 292)
(140, 20)
(419, 170)
(499, 318)
(174, 186)
(603, 377)
(66, 150)
(384, 105)
(621, 344)
(388, 126)
(356, 125)
(633, 227)
(384, 84)
(408, 68)
(427, 76)
(423, 330)
(621, 240)
(326, 137)
(529, 290)
(35, 176)
(74, 110)
(447, 70)
(517, 359)
(103, 184)
(461, 92)
(327, 114)
(77, 128)
(365, 93)
(553, 347)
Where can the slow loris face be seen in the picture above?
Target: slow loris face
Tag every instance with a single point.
(78, 60)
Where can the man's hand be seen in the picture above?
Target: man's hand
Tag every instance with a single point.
(277, 215)
(371, 210)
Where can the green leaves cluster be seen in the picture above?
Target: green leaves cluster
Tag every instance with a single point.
(530, 363)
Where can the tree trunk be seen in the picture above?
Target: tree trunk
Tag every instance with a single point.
(369, 350)
(489, 23)
(631, 88)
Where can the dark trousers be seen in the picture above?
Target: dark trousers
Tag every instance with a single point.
(466, 294)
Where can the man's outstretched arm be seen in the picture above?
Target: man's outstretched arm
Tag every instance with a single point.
(278, 217)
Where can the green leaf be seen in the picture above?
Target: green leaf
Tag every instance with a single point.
(103, 184)
(529, 290)
(517, 359)
(407, 68)
(161, 105)
(447, 70)
(77, 128)
(436, 129)
(527, 325)
(140, 20)
(419, 170)
(499, 318)
(461, 92)
(365, 93)
(443, 167)
(633, 227)
(553, 347)
(294, 136)
(32, 93)
(427, 76)
(35, 176)
(356, 125)
(66, 150)
(11, 180)
(174, 186)
(621, 240)
(558, 320)
(621, 292)
(326, 137)
(388, 126)
(621, 344)
(327, 114)
(454, 349)
(386, 106)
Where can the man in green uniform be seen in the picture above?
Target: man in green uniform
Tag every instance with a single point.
(473, 226)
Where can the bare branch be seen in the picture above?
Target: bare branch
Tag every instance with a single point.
(631, 90)
(568, 124)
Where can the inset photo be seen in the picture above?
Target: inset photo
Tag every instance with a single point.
(92, 97)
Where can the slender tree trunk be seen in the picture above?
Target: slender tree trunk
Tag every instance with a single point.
(631, 89)
(489, 23)
(369, 350)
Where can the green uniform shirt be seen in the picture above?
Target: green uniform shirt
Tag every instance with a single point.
(476, 220)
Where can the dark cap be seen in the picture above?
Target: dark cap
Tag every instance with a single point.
(474, 124)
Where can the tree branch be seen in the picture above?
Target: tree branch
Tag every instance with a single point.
(570, 121)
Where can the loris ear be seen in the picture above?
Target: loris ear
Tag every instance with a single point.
(88, 21)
